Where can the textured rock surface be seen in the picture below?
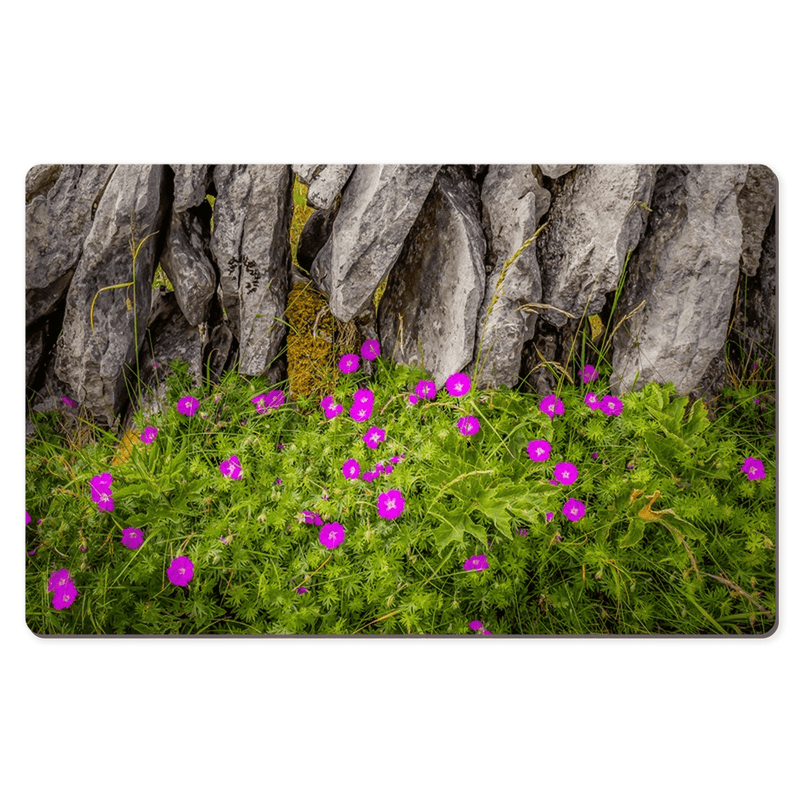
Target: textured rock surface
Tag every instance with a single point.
(92, 362)
(315, 233)
(513, 204)
(56, 223)
(186, 260)
(438, 282)
(40, 179)
(595, 219)
(307, 172)
(325, 186)
(379, 206)
(250, 243)
(756, 203)
(555, 171)
(190, 185)
(686, 270)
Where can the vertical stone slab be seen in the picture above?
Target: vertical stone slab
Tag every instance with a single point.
(438, 282)
(756, 203)
(686, 271)
(378, 208)
(513, 204)
(93, 360)
(252, 217)
(595, 219)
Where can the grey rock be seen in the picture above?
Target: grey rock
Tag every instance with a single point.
(556, 171)
(190, 185)
(252, 216)
(438, 282)
(40, 179)
(513, 204)
(326, 185)
(97, 361)
(56, 223)
(686, 271)
(170, 337)
(315, 233)
(756, 202)
(595, 220)
(220, 348)
(307, 172)
(187, 262)
(35, 344)
(378, 208)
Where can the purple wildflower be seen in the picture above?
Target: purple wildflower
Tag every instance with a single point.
(589, 373)
(301, 590)
(278, 481)
(395, 459)
(260, 401)
(331, 535)
(478, 563)
(565, 473)
(27, 518)
(753, 468)
(476, 625)
(132, 537)
(522, 531)
(457, 385)
(371, 349)
(592, 401)
(391, 504)
(611, 405)
(413, 399)
(149, 434)
(312, 518)
(327, 402)
(348, 363)
(69, 402)
(363, 397)
(180, 571)
(275, 399)
(549, 516)
(388, 470)
(468, 426)
(369, 476)
(351, 468)
(58, 578)
(361, 412)
(101, 491)
(426, 389)
(231, 468)
(539, 450)
(551, 405)
(333, 410)
(373, 436)
(594, 456)
(64, 595)
(574, 509)
(188, 405)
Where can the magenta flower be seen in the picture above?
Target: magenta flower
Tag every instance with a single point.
(64, 596)
(27, 518)
(370, 476)
(371, 349)
(592, 401)
(413, 399)
(565, 473)
(477, 563)
(391, 504)
(551, 405)
(361, 412)
(363, 397)
(611, 406)
(275, 399)
(753, 468)
(231, 468)
(476, 625)
(468, 426)
(457, 385)
(312, 518)
(589, 373)
(132, 537)
(426, 389)
(68, 402)
(331, 535)
(301, 590)
(395, 459)
(373, 436)
(180, 571)
(594, 456)
(333, 410)
(539, 450)
(188, 405)
(149, 434)
(549, 516)
(388, 470)
(260, 401)
(522, 531)
(574, 509)
(348, 363)
(351, 468)
(58, 578)
(101, 491)
(327, 402)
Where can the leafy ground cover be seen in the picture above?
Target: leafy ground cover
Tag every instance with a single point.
(396, 506)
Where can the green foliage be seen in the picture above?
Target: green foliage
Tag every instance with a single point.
(675, 538)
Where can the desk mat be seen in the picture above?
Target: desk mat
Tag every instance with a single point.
(401, 400)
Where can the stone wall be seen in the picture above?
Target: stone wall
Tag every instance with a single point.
(689, 239)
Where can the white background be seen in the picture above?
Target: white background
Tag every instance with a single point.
(615, 82)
